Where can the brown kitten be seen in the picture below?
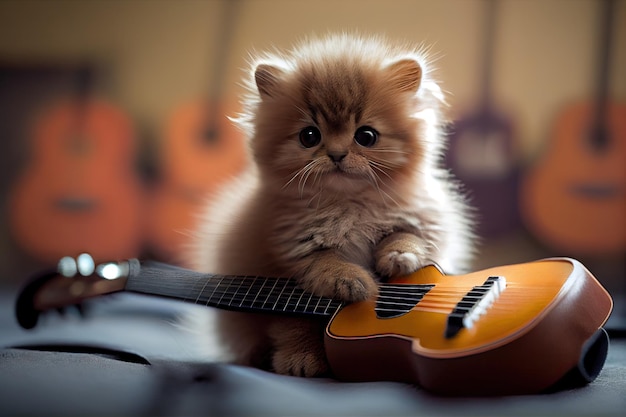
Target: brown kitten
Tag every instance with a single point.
(345, 186)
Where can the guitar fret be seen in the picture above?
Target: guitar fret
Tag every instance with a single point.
(319, 300)
(295, 307)
(306, 307)
(247, 292)
(270, 291)
(328, 303)
(235, 293)
(204, 288)
(230, 282)
(289, 298)
(193, 290)
(258, 293)
(279, 295)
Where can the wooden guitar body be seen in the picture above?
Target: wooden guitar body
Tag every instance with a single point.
(575, 198)
(531, 335)
(80, 192)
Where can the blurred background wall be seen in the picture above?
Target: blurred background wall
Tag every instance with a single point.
(152, 56)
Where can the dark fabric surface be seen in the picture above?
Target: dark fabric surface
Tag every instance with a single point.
(133, 356)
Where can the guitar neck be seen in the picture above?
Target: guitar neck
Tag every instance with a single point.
(239, 293)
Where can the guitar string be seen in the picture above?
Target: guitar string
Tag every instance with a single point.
(445, 299)
(236, 296)
(428, 305)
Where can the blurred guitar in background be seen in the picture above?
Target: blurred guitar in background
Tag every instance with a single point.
(79, 192)
(201, 149)
(574, 198)
(482, 150)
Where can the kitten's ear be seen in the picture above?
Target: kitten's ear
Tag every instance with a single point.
(405, 74)
(267, 78)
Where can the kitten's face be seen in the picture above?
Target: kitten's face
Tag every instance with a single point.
(342, 127)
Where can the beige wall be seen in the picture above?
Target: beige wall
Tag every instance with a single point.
(160, 50)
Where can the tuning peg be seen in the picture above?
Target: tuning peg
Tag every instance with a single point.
(85, 264)
(67, 266)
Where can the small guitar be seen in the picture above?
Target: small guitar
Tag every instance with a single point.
(200, 151)
(513, 329)
(574, 198)
(482, 150)
(80, 191)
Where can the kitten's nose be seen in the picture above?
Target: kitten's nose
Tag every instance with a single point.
(336, 156)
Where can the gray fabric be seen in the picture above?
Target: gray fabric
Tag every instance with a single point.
(157, 372)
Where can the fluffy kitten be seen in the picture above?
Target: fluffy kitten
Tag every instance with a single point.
(345, 188)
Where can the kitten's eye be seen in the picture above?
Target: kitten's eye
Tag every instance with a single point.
(366, 136)
(310, 136)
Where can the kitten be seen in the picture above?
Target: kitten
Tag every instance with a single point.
(345, 188)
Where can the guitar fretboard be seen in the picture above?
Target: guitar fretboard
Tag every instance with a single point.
(241, 293)
(259, 294)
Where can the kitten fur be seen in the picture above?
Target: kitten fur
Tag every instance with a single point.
(338, 215)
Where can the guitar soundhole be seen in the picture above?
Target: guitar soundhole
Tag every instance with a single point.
(595, 191)
(397, 300)
(76, 204)
(210, 135)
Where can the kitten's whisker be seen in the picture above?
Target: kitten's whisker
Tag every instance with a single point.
(303, 180)
(389, 150)
(305, 177)
(380, 167)
(300, 173)
(376, 180)
(317, 195)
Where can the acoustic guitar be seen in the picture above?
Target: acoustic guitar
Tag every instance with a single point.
(513, 329)
(80, 192)
(201, 149)
(482, 149)
(574, 198)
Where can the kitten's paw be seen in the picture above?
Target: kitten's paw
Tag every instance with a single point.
(341, 281)
(298, 348)
(395, 263)
(400, 254)
(299, 363)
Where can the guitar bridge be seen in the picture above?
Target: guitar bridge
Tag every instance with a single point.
(473, 305)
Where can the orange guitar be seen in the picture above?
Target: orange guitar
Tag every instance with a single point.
(200, 150)
(574, 199)
(79, 193)
(513, 329)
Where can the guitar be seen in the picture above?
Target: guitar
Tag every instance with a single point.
(200, 151)
(79, 192)
(513, 329)
(574, 198)
(482, 151)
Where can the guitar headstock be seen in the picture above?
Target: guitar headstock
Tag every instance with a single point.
(70, 284)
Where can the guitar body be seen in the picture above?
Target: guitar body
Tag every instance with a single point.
(574, 199)
(530, 337)
(79, 193)
(201, 150)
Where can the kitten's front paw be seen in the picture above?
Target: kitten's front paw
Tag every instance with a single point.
(299, 363)
(399, 254)
(395, 263)
(341, 281)
(298, 348)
